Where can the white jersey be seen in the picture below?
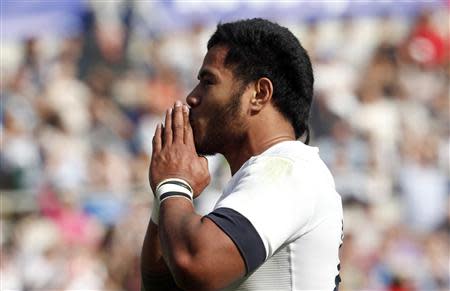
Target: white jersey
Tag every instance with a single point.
(283, 213)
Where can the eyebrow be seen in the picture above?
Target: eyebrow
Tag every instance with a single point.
(206, 73)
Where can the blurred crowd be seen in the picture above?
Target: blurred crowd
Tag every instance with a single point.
(78, 115)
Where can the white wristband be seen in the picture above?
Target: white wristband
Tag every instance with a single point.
(173, 187)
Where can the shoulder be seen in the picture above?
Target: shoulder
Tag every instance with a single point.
(289, 173)
(290, 161)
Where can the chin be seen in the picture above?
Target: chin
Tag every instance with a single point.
(204, 150)
(204, 146)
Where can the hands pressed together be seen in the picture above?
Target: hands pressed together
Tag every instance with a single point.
(174, 154)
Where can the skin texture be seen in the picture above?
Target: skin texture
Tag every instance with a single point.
(229, 118)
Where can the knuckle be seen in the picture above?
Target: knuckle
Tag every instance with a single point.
(178, 126)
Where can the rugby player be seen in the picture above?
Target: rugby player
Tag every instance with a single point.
(278, 223)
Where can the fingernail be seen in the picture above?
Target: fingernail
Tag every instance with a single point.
(178, 103)
(185, 108)
(170, 111)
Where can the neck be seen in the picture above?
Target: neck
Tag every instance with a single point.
(237, 156)
(263, 130)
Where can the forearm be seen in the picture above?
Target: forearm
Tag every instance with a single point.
(180, 235)
(154, 271)
(179, 229)
(152, 260)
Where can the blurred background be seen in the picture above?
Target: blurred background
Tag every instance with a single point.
(84, 83)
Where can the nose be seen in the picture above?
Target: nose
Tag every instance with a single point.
(193, 99)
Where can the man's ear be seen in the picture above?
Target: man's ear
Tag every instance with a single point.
(262, 94)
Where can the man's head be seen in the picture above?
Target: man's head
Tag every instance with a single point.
(251, 51)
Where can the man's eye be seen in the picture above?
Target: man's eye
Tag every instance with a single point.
(206, 82)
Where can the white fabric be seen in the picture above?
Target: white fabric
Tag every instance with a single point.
(165, 186)
(289, 196)
(172, 188)
(173, 180)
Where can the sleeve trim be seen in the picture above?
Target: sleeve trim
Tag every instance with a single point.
(243, 234)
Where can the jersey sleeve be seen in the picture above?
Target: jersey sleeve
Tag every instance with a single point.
(269, 205)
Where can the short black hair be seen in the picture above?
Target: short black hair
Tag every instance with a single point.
(260, 48)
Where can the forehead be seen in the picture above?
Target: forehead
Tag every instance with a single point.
(216, 56)
(214, 62)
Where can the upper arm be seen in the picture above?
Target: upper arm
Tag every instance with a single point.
(243, 234)
(198, 253)
(221, 261)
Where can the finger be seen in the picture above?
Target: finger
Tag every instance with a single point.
(177, 123)
(168, 127)
(188, 135)
(162, 135)
(157, 141)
